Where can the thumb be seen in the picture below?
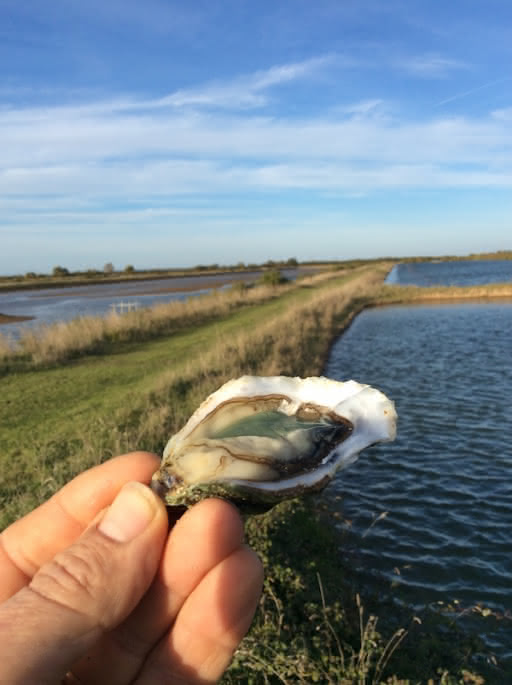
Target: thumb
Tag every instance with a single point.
(84, 591)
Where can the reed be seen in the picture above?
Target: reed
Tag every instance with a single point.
(62, 341)
(390, 294)
(59, 342)
(6, 347)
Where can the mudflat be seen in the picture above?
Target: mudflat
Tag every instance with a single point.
(8, 318)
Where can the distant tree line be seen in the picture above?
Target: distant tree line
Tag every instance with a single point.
(62, 271)
(292, 262)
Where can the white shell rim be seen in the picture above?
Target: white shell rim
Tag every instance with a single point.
(371, 413)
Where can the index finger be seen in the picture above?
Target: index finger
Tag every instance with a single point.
(37, 537)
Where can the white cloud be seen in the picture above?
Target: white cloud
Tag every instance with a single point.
(430, 65)
(503, 114)
(128, 151)
(246, 91)
(363, 108)
(58, 139)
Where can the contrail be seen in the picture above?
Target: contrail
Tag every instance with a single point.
(458, 96)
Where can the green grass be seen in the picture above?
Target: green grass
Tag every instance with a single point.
(57, 421)
(48, 402)
(313, 626)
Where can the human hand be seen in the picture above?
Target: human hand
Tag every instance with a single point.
(103, 594)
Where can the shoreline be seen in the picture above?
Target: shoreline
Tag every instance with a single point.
(159, 290)
(43, 281)
(49, 282)
(11, 318)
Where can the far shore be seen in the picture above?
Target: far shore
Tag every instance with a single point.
(33, 281)
(158, 290)
(8, 318)
(11, 283)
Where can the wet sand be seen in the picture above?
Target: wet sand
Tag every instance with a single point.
(7, 318)
(157, 290)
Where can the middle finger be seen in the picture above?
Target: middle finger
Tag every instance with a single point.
(206, 534)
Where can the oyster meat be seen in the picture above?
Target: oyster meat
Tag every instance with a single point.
(258, 440)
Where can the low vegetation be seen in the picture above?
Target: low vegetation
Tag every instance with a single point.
(61, 276)
(314, 626)
(397, 294)
(62, 341)
(134, 386)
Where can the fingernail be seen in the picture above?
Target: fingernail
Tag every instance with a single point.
(129, 514)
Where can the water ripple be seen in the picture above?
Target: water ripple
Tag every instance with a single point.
(445, 482)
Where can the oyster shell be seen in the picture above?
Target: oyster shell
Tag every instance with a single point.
(258, 440)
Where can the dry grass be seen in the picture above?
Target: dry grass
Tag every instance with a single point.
(48, 344)
(55, 343)
(295, 342)
(400, 293)
(6, 346)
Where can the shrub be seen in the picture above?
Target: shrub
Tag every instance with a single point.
(273, 277)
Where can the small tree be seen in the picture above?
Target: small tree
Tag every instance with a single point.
(273, 277)
(60, 271)
(129, 269)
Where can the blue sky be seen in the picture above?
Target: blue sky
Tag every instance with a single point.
(160, 133)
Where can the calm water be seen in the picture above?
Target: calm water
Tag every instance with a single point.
(469, 272)
(63, 304)
(446, 482)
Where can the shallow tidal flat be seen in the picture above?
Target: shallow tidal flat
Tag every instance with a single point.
(8, 318)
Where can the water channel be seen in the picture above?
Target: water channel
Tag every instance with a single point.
(430, 515)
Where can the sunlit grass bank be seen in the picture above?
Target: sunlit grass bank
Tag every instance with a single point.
(56, 343)
(63, 411)
(398, 294)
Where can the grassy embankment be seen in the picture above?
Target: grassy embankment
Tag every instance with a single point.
(90, 389)
(59, 418)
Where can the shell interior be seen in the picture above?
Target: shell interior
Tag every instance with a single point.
(268, 445)
(251, 439)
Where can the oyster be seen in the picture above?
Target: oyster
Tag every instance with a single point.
(258, 440)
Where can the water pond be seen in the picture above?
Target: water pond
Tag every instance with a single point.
(430, 515)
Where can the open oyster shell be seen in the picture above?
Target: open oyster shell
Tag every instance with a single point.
(258, 440)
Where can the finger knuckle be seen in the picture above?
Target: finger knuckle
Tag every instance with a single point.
(74, 578)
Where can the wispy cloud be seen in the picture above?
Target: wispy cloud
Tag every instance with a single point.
(85, 160)
(126, 159)
(247, 91)
(430, 65)
(363, 108)
(502, 114)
